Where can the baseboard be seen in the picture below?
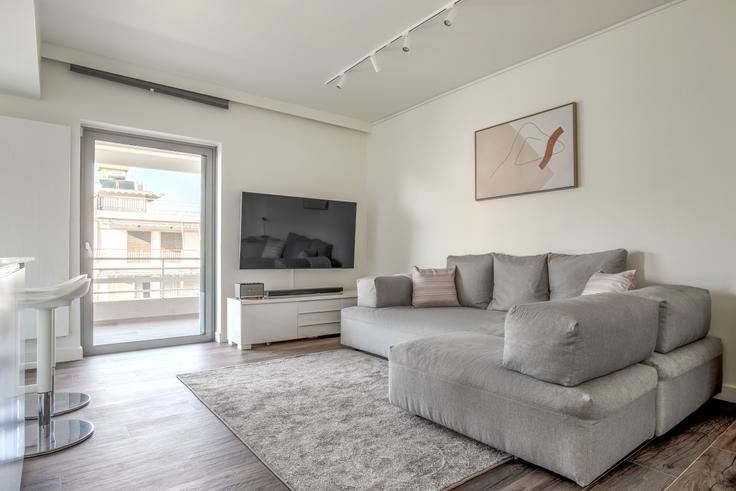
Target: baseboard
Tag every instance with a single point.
(220, 338)
(69, 354)
(728, 393)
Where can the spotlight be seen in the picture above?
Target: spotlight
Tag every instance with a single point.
(450, 17)
(341, 81)
(374, 62)
(405, 45)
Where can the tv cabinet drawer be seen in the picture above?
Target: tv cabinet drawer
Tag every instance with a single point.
(319, 306)
(319, 330)
(312, 318)
(264, 323)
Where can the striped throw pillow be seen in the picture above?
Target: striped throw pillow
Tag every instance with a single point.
(610, 282)
(433, 287)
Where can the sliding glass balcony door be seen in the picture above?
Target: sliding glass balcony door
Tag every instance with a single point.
(147, 242)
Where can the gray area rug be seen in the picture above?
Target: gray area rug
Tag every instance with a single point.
(323, 422)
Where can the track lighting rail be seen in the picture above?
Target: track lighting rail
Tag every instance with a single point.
(448, 9)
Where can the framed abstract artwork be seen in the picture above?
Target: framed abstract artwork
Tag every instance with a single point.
(527, 155)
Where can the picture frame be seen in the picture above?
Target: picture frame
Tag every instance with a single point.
(531, 154)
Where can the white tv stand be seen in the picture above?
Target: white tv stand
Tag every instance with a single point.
(267, 320)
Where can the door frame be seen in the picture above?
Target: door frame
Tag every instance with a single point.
(208, 250)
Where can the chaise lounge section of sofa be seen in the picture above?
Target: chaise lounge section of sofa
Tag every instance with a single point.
(570, 383)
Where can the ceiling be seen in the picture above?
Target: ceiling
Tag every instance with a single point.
(286, 49)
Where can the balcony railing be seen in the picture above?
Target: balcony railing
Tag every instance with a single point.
(121, 203)
(145, 205)
(158, 277)
(166, 207)
(147, 256)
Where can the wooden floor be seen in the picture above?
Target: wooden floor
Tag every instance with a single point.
(152, 433)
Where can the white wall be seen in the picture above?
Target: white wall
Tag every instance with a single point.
(260, 150)
(190, 242)
(656, 122)
(34, 205)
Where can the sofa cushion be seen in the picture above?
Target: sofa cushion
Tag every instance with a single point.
(579, 432)
(433, 287)
(677, 362)
(431, 321)
(577, 339)
(568, 274)
(684, 315)
(688, 377)
(473, 279)
(375, 330)
(316, 262)
(384, 291)
(518, 280)
(476, 361)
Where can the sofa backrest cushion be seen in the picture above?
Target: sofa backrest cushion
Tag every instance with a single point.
(385, 291)
(473, 279)
(518, 280)
(319, 247)
(295, 244)
(570, 341)
(252, 246)
(684, 314)
(568, 274)
(273, 248)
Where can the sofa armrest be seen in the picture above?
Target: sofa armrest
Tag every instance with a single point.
(570, 341)
(384, 291)
(684, 314)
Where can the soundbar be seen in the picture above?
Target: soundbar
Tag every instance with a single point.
(304, 291)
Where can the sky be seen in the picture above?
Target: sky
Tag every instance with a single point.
(180, 187)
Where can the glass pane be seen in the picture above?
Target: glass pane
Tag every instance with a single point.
(147, 266)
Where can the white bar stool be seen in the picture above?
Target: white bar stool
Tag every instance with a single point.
(61, 402)
(46, 436)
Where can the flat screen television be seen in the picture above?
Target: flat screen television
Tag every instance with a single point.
(287, 232)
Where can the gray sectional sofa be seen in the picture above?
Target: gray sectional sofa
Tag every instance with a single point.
(570, 383)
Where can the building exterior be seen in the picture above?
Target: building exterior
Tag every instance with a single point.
(146, 250)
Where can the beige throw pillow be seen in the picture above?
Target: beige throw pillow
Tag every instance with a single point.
(433, 287)
(610, 282)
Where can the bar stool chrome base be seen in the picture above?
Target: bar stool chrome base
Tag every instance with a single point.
(62, 433)
(47, 435)
(64, 402)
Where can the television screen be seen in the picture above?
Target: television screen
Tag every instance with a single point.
(285, 232)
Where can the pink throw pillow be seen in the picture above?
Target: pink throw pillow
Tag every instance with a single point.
(433, 287)
(610, 282)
